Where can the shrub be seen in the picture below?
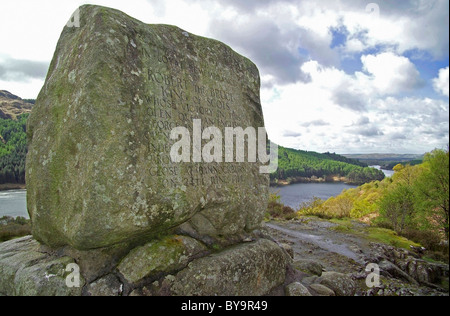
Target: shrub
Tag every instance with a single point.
(11, 228)
(428, 239)
(431, 241)
(278, 210)
(381, 223)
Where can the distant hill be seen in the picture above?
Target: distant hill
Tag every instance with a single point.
(13, 151)
(385, 157)
(303, 166)
(387, 161)
(11, 106)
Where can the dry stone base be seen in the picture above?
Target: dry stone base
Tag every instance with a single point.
(172, 266)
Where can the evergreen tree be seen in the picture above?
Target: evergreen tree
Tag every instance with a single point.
(13, 150)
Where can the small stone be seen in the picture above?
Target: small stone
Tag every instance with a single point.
(356, 249)
(136, 293)
(341, 284)
(309, 280)
(109, 285)
(309, 266)
(322, 290)
(297, 289)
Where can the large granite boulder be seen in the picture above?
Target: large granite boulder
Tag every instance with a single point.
(112, 200)
(99, 168)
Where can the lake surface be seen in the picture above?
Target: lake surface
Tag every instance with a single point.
(13, 203)
(295, 194)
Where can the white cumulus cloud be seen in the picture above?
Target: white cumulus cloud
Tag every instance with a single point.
(391, 74)
(441, 83)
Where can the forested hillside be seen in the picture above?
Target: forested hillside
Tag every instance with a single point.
(14, 113)
(414, 202)
(13, 150)
(298, 166)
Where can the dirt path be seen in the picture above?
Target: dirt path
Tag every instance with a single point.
(315, 240)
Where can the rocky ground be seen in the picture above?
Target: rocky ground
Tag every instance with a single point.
(326, 259)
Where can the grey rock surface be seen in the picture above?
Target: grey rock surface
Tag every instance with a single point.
(251, 269)
(297, 289)
(309, 266)
(341, 284)
(170, 254)
(322, 290)
(26, 271)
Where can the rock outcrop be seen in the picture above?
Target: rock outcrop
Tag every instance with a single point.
(423, 277)
(364, 269)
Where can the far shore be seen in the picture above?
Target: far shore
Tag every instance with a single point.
(282, 183)
(12, 186)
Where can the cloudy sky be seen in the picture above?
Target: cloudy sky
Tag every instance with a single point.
(346, 76)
